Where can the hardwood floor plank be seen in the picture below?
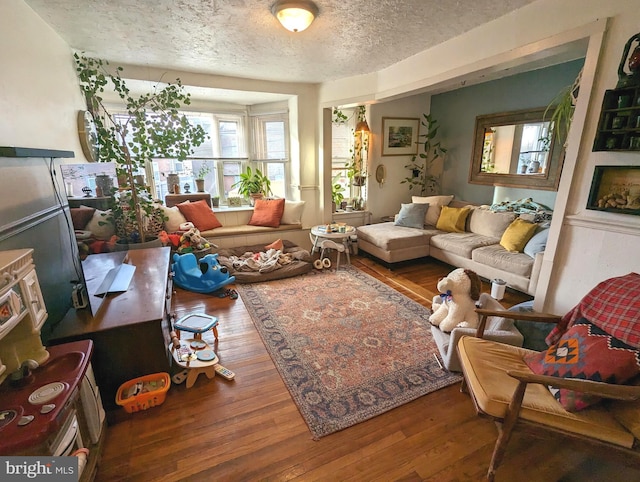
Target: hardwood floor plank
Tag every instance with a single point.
(250, 428)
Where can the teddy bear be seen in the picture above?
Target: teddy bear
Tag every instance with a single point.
(461, 290)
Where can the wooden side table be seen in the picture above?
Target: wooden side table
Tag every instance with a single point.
(173, 199)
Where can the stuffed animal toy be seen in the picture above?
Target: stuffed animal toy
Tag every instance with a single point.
(203, 276)
(461, 289)
(191, 241)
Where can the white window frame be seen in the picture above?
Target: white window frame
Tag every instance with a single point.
(259, 148)
(252, 138)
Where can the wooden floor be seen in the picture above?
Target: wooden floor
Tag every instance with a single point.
(250, 428)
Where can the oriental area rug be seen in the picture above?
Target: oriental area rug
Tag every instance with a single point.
(347, 346)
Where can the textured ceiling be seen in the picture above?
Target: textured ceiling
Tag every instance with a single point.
(242, 38)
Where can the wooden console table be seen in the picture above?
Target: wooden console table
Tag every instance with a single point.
(130, 330)
(173, 199)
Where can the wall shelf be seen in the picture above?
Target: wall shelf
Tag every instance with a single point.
(619, 124)
(9, 151)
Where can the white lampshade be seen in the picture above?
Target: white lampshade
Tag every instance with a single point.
(295, 16)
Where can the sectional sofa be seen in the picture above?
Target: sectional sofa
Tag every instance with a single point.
(477, 248)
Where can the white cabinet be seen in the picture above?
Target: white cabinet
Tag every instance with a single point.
(34, 299)
(353, 218)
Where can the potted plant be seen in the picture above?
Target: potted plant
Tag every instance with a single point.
(421, 170)
(253, 185)
(336, 193)
(204, 169)
(152, 127)
(562, 107)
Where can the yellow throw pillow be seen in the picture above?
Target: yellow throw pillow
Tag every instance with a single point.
(517, 235)
(452, 219)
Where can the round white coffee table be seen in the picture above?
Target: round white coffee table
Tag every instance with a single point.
(319, 234)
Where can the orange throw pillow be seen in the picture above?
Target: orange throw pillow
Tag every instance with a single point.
(277, 244)
(200, 214)
(267, 212)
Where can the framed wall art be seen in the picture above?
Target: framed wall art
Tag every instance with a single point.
(400, 136)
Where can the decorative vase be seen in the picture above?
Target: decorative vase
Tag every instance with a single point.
(105, 183)
(172, 181)
(534, 167)
(200, 185)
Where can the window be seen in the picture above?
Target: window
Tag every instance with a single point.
(271, 150)
(342, 149)
(224, 152)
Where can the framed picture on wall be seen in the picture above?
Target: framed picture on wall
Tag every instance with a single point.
(400, 136)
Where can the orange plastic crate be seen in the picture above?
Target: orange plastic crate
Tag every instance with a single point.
(143, 392)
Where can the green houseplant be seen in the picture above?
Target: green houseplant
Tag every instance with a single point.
(203, 170)
(253, 184)
(147, 126)
(337, 195)
(421, 166)
(562, 107)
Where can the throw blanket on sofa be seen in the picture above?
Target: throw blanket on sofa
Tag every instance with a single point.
(262, 262)
(613, 306)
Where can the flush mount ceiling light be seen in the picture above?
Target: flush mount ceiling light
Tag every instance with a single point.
(295, 15)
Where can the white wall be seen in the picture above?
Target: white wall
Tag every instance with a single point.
(39, 93)
(385, 199)
(593, 245)
(39, 101)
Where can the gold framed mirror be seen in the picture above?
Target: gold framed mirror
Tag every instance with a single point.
(381, 173)
(516, 149)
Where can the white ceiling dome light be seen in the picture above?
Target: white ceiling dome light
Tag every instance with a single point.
(295, 15)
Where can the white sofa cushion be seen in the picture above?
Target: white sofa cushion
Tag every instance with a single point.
(435, 206)
(388, 236)
(488, 223)
(461, 244)
(499, 258)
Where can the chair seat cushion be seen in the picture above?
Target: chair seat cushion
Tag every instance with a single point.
(485, 366)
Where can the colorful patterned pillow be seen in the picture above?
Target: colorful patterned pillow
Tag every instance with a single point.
(585, 352)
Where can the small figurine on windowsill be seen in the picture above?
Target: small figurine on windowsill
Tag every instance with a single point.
(87, 191)
(187, 188)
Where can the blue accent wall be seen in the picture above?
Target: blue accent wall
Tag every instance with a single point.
(456, 112)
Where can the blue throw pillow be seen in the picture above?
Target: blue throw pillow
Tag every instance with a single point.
(537, 243)
(412, 215)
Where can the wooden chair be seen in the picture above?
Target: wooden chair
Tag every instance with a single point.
(505, 389)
